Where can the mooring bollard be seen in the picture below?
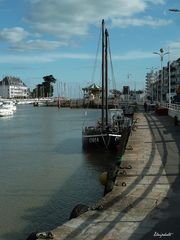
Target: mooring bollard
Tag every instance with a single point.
(40, 235)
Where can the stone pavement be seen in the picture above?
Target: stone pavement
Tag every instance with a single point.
(146, 192)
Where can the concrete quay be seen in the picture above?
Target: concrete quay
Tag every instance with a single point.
(145, 200)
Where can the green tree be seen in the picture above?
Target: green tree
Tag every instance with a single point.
(47, 85)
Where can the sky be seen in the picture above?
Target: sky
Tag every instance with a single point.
(43, 37)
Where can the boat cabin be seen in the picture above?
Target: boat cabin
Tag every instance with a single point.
(116, 114)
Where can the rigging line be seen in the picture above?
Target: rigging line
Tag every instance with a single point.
(94, 67)
(96, 57)
(57, 88)
(105, 142)
(112, 70)
(84, 118)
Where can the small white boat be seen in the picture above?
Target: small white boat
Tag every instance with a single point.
(4, 112)
(9, 105)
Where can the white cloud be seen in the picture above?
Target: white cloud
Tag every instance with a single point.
(13, 35)
(132, 55)
(67, 18)
(17, 37)
(174, 45)
(11, 58)
(38, 44)
(47, 57)
(174, 49)
(42, 58)
(148, 21)
(157, 1)
(61, 20)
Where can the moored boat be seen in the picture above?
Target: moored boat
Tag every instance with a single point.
(112, 130)
(4, 112)
(9, 105)
(112, 137)
(7, 108)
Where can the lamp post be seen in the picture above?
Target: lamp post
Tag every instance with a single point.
(161, 53)
(169, 71)
(171, 10)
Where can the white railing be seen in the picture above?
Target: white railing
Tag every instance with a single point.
(171, 106)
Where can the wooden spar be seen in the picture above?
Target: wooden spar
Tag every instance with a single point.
(102, 110)
(106, 75)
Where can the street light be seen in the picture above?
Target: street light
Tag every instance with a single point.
(161, 53)
(169, 71)
(171, 10)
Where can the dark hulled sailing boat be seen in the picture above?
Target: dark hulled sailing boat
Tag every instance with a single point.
(112, 131)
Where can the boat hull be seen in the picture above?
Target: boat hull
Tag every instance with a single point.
(6, 112)
(108, 141)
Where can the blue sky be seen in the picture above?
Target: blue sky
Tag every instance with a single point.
(42, 37)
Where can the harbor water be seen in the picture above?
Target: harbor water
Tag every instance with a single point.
(44, 173)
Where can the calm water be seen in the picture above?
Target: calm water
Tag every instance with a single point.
(43, 171)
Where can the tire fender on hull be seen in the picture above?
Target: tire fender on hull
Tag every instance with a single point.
(78, 210)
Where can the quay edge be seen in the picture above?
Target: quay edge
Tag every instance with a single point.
(140, 203)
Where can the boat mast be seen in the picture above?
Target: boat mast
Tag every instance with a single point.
(106, 75)
(102, 107)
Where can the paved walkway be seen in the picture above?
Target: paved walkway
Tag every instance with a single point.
(145, 201)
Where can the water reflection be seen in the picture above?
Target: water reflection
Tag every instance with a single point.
(101, 161)
(43, 171)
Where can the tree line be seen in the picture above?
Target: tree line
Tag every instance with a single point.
(46, 88)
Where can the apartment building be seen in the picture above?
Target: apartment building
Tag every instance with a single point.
(13, 88)
(160, 82)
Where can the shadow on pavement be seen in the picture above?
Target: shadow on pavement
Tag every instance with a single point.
(167, 138)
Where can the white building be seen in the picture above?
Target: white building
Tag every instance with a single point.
(151, 78)
(12, 87)
(165, 80)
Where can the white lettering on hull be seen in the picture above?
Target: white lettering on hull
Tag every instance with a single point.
(94, 140)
